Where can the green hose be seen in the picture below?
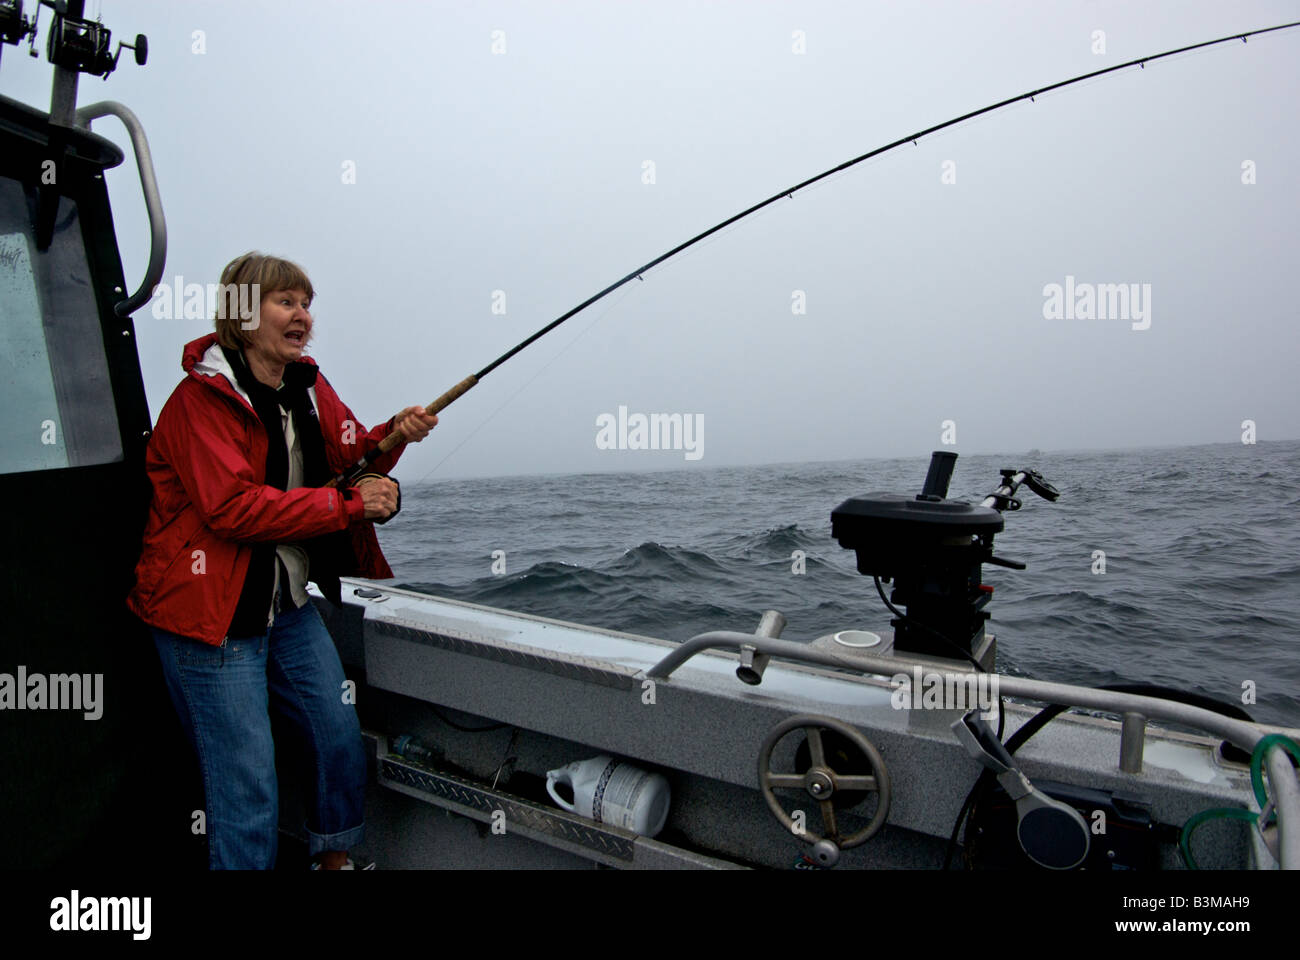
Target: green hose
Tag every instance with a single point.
(1237, 813)
(1257, 762)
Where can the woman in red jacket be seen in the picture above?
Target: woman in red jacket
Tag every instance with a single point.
(239, 522)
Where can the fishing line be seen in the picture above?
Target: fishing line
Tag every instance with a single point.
(395, 438)
(686, 258)
(599, 317)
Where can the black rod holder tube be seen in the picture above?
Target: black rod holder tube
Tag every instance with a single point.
(936, 481)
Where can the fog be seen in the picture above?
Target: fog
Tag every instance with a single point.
(455, 176)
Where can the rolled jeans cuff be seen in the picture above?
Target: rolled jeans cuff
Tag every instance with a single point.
(343, 840)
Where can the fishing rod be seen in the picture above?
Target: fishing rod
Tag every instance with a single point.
(395, 439)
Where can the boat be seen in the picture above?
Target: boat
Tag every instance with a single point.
(894, 744)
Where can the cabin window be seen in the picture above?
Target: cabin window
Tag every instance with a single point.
(54, 389)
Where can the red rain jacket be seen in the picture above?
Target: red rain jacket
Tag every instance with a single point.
(207, 463)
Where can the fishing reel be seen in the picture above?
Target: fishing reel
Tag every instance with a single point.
(933, 549)
(13, 25)
(75, 43)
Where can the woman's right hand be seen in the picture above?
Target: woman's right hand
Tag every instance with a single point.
(379, 497)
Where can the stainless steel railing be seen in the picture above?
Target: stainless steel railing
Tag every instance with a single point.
(1135, 709)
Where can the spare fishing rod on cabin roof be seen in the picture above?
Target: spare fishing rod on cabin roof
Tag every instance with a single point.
(395, 439)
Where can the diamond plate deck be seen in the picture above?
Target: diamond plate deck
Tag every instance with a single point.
(520, 814)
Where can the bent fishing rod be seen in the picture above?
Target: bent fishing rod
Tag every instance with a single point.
(395, 439)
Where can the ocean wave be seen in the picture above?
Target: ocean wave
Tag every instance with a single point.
(1199, 589)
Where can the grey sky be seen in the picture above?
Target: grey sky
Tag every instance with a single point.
(523, 172)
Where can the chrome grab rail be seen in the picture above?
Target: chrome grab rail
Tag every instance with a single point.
(1282, 777)
(152, 199)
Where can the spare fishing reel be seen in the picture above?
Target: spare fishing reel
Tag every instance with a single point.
(75, 43)
(933, 549)
(13, 25)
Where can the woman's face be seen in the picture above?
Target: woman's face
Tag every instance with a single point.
(284, 327)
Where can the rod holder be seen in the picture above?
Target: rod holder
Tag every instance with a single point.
(753, 663)
(1132, 741)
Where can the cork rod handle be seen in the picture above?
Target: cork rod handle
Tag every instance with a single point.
(395, 439)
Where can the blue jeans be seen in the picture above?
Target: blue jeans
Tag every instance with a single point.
(223, 696)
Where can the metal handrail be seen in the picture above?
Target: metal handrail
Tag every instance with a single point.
(152, 199)
(1282, 777)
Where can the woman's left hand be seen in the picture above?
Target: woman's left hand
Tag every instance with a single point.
(414, 424)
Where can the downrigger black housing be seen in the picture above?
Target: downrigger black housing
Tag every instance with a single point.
(933, 549)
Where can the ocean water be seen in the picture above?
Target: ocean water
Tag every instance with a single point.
(1201, 587)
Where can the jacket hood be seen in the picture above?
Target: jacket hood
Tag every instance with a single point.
(203, 360)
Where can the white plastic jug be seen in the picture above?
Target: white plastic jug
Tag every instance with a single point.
(614, 792)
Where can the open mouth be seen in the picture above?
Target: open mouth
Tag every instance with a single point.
(296, 336)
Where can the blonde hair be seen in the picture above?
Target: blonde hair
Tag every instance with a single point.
(252, 273)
